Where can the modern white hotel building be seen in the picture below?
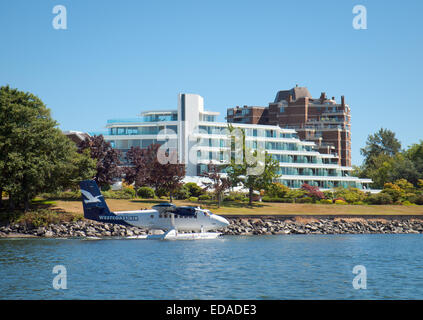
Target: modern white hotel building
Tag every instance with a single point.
(199, 139)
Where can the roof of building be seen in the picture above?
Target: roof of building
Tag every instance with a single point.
(76, 136)
(296, 93)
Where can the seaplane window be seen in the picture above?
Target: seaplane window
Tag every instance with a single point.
(152, 216)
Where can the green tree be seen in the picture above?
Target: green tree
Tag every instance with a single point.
(254, 169)
(380, 162)
(382, 142)
(415, 154)
(35, 156)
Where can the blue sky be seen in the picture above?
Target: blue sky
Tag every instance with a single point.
(118, 58)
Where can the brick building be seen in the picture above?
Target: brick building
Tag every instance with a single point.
(322, 120)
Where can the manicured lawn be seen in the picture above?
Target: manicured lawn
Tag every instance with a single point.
(259, 208)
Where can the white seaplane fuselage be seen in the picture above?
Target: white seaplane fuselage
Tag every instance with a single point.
(202, 220)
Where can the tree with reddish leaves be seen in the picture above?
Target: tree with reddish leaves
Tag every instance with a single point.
(107, 159)
(218, 183)
(147, 170)
(313, 192)
(137, 170)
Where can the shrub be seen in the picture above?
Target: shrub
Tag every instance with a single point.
(204, 197)
(411, 197)
(277, 190)
(359, 203)
(182, 193)
(120, 194)
(193, 199)
(325, 201)
(419, 200)
(45, 217)
(106, 187)
(294, 194)
(229, 198)
(146, 193)
(350, 195)
(313, 191)
(328, 194)
(270, 199)
(380, 198)
(235, 196)
(161, 193)
(342, 199)
(339, 201)
(193, 189)
(305, 200)
(407, 203)
(65, 195)
(130, 191)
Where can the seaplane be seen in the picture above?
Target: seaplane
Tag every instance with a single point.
(177, 223)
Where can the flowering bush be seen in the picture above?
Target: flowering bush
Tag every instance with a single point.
(313, 192)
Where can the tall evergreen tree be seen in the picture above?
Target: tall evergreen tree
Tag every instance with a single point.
(382, 142)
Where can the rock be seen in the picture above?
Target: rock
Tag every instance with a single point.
(80, 234)
(49, 234)
(40, 231)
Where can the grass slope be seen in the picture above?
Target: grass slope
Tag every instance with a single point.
(236, 208)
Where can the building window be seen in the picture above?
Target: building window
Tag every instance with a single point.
(282, 109)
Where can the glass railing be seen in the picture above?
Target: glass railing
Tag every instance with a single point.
(125, 120)
(144, 119)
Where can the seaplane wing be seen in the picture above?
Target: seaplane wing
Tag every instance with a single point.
(163, 216)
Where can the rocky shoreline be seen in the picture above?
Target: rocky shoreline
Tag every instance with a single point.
(268, 226)
(238, 226)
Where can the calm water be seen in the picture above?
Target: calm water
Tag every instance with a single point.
(262, 267)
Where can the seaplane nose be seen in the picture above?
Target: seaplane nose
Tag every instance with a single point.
(221, 221)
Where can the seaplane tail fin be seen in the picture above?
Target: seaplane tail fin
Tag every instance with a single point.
(95, 208)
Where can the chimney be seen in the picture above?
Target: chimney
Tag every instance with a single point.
(322, 97)
(343, 101)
